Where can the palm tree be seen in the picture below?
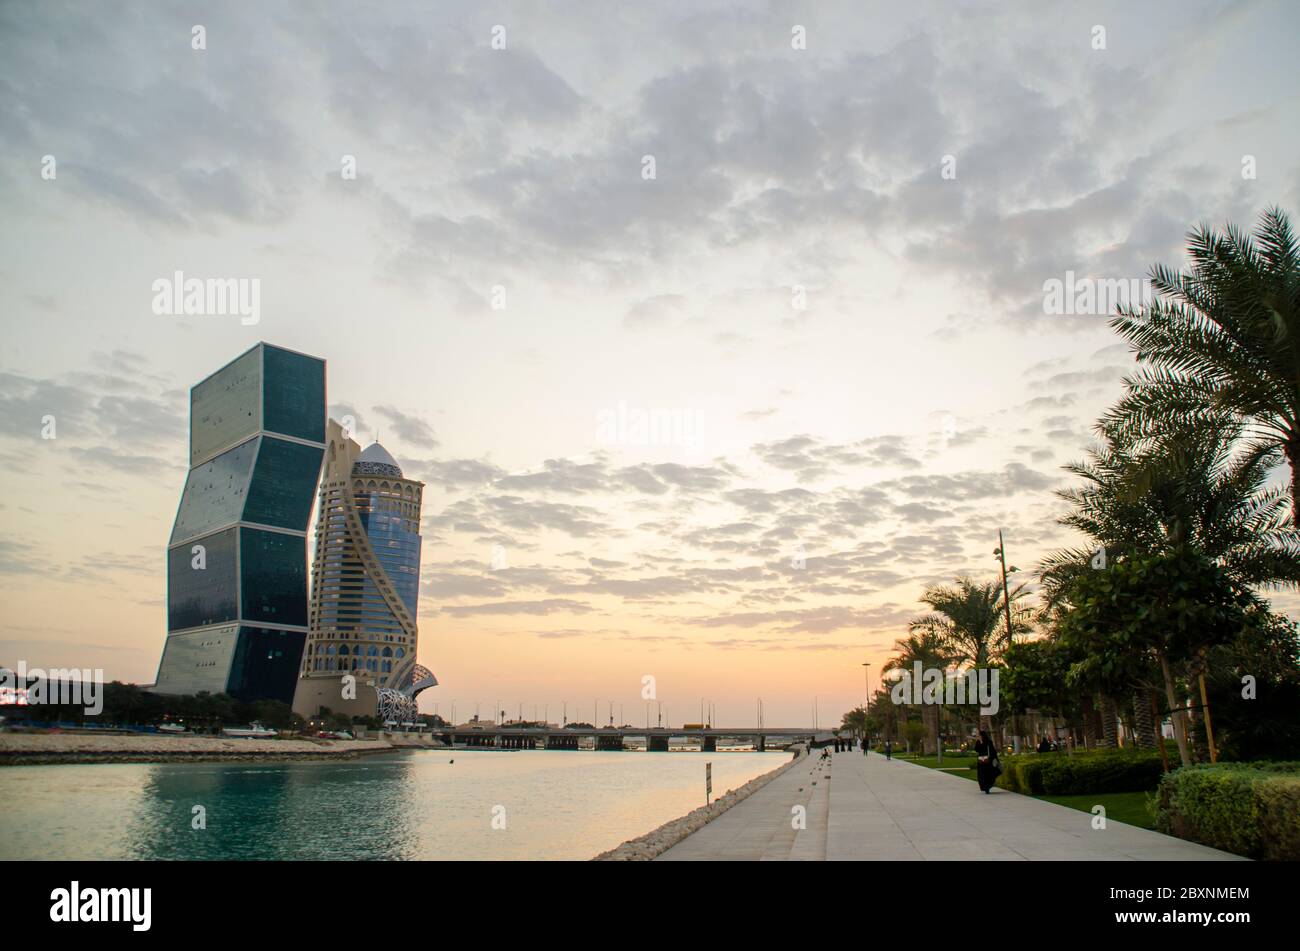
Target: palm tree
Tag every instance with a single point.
(929, 649)
(1222, 337)
(971, 618)
(1194, 490)
(855, 722)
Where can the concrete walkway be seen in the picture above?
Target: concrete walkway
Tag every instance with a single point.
(893, 810)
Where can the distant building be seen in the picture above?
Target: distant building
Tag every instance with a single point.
(237, 558)
(361, 650)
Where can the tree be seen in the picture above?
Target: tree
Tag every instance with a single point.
(1034, 678)
(1192, 489)
(1253, 684)
(1159, 608)
(884, 714)
(970, 617)
(928, 647)
(855, 722)
(970, 620)
(914, 733)
(275, 714)
(1221, 337)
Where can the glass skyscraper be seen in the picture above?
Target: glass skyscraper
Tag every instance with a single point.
(237, 559)
(365, 586)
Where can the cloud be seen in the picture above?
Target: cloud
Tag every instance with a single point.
(810, 459)
(409, 428)
(457, 473)
(820, 620)
(544, 607)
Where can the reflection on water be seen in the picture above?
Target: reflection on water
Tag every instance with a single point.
(421, 805)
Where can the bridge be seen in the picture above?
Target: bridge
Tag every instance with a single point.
(657, 739)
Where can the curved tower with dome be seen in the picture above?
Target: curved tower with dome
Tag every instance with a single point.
(360, 656)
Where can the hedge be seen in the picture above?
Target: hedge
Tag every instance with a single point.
(1099, 771)
(1251, 809)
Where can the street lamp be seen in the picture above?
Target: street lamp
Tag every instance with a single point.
(866, 672)
(1001, 552)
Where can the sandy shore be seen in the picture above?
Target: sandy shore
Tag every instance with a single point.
(33, 748)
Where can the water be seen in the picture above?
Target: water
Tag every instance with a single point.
(556, 804)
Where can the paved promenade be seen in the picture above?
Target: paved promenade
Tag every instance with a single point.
(865, 807)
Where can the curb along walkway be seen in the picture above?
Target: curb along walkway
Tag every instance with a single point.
(892, 810)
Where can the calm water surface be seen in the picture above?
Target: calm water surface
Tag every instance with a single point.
(558, 804)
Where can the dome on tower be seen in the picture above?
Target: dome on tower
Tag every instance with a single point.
(376, 460)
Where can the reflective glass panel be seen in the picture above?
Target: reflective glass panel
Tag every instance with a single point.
(226, 407)
(284, 484)
(202, 591)
(295, 395)
(274, 571)
(265, 665)
(215, 492)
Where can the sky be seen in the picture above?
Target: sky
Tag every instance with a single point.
(808, 241)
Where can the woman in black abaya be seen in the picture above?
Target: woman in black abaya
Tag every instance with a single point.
(987, 766)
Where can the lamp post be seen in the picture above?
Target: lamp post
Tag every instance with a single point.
(866, 709)
(1006, 604)
(1006, 592)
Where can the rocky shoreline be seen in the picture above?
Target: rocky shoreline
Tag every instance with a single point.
(30, 749)
(652, 844)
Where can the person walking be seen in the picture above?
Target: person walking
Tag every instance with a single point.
(987, 766)
(889, 750)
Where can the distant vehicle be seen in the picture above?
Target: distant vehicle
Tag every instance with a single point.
(693, 726)
(171, 728)
(254, 731)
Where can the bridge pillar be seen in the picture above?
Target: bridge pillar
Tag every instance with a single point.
(656, 744)
(709, 744)
(760, 744)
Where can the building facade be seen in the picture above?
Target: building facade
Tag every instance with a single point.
(360, 658)
(237, 611)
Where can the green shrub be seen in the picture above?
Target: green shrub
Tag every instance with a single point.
(1278, 799)
(1103, 772)
(1099, 771)
(1029, 773)
(1251, 809)
(1022, 774)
